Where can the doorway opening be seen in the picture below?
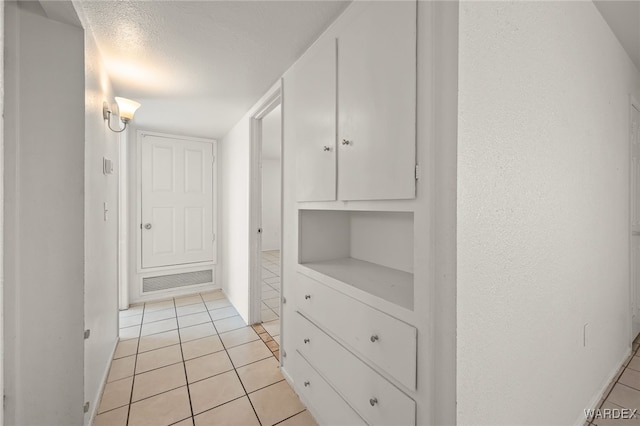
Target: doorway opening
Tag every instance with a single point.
(271, 214)
(266, 212)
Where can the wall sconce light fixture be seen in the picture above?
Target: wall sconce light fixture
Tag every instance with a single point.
(126, 109)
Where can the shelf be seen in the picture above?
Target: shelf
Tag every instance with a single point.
(390, 284)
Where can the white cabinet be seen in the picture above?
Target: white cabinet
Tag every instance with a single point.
(377, 103)
(385, 342)
(329, 407)
(355, 93)
(374, 398)
(353, 338)
(310, 111)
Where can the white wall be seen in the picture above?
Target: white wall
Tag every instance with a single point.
(235, 162)
(44, 220)
(543, 235)
(101, 237)
(234, 210)
(271, 199)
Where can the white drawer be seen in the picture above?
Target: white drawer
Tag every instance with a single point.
(317, 393)
(388, 343)
(374, 398)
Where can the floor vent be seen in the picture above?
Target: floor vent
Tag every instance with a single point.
(166, 282)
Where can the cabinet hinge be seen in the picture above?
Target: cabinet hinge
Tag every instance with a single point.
(86, 407)
(213, 159)
(87, 333)
(417, 171)
(284, 300)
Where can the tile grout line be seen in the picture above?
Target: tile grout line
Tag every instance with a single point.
(226, 348)
(290, 417)
(235, 370)
(184, 363)
(135, 365)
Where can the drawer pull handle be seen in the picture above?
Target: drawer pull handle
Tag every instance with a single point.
(307, 384)
(373, 401)
(307, 296)
(374, 338)
(307, 340)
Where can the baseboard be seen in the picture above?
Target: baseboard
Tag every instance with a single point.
(603, 388)
(94, 404)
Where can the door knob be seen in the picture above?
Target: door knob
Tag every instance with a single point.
(147, 226)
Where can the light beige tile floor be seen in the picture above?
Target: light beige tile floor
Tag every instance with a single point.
(270, 285)
(192, 360)
(623, 392)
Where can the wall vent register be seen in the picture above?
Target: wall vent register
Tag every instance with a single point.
(166, 282)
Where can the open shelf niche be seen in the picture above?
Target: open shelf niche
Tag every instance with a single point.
(369, 250)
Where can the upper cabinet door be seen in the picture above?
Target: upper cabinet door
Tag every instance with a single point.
(310, 121)
(377, 103)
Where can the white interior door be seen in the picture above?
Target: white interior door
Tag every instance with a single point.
(177, 201)
(635, 220)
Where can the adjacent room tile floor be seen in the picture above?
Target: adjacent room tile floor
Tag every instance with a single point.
(623, 392)
(193, 361)
(270, 285)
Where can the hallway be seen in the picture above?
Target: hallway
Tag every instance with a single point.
(193, 360)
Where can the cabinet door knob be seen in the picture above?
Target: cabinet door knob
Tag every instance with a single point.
(307, 296)
(346, 142)
(306, 340)
(373, 401)
(147, 226)
(374, 338)
(307, 384)
(326, 148)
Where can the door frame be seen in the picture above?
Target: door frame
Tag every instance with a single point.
(633, 296)
(272, 100)
(123, 221)
(163, 270)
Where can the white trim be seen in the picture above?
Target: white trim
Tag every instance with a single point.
(139, 269)
(2, 210)
(272, 100)
(93, 405)
(633, 103)
(595, 399)
(123, 223)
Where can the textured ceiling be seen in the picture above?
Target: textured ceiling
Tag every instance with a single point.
(197, 67)
(624, 19)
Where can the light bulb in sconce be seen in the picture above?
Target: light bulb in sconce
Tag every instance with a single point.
(126, 109)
